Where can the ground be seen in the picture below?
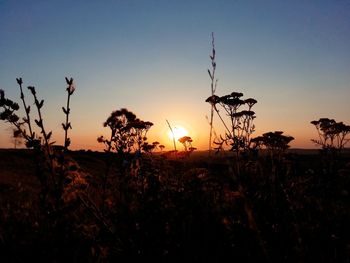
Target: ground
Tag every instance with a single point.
(190, 209)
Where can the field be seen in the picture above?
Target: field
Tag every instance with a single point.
(165, 208)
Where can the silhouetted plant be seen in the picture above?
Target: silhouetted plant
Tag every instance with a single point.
(51, 168)
(275, 142)
(276, 145)
(40, 123)
(16, 138)
(128, 133)
(66, 126)
(155, 144)
(332, 134)
(149, 148)
(161, 147)
(26, 109)
(140, 129)
(213, 86)
(332, 137)
(240, 125)
(8, 114)
(186, 142)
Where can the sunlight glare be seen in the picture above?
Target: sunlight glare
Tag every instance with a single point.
(179, 132)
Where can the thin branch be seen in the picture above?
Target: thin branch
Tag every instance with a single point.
(26, 109)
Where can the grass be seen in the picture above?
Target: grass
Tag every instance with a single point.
(180, 210)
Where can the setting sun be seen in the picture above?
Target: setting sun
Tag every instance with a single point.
(178, 131)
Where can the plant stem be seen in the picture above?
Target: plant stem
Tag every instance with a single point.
(47, 145)
(67, 118)
(223, 122)
(172, 134)
(213, 88)
(26, 110)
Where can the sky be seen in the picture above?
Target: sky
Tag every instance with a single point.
(152, 57)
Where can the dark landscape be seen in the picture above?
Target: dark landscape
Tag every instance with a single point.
(175, 131)
(180, 210)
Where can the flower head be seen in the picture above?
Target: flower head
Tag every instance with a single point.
(213, 99)
(250, 102)
(71, 89)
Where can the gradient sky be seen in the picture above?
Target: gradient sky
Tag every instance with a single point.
(152, 57)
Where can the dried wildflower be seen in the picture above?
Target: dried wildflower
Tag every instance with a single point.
(275, 141)
(332, 134)
(186, 142)
(248, 113)
(250, 102)
(240, 125)
(13, 118)
(232, 101)
(127, 132)
(67, 125)
(213, 99)
(101, 139)
(15, 106)
(236, 94)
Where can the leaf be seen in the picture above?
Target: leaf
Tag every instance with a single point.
(69, 81)
(48, 136)
(67, 143)
(16, 133)
(64, 110)
(32, 89)
(210, 74)
(41, 104)
(39, 123)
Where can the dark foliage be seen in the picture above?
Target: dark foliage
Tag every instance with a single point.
(180, 210)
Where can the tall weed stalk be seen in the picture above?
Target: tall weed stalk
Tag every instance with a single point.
(213, 85)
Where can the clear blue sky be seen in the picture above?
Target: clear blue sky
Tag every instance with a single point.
(152, 57)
